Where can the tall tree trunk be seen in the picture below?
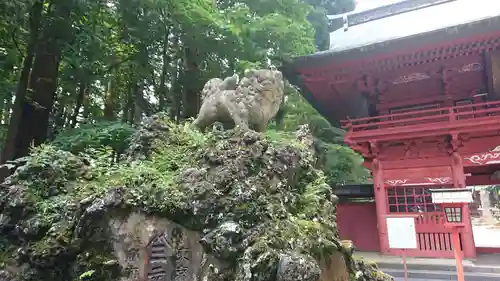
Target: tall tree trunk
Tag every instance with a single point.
(175, 85)
(13, 134)
(129, 108)
(86, 111)
(175, 92)
(109, 103)
(162, 95)
(36, 113)
(79, 103)
(8, 107)
(58, 120)
(3, 109)
(191, 83)
(137, 109)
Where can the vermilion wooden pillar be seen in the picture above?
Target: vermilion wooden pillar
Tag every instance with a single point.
(381, 204)
(468, 244)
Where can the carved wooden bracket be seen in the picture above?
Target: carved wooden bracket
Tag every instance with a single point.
(465, 138)
(376, 164)
(378, 182)
(362, 149)
(412, 147)
(367, 84)
(374, 150)
(361, 85)
(382, 86)
(457, 159)
(334, 89)
(456, 142)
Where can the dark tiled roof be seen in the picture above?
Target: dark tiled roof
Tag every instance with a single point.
(388, 23)
(398, 7)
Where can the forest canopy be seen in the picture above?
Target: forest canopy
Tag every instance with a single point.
(97, 99)
(82, 73)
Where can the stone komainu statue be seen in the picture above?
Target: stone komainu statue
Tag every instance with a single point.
(249, 103)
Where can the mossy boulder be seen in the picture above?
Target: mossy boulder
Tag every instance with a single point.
(225, 205)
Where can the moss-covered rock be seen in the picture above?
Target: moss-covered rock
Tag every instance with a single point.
(258, 206)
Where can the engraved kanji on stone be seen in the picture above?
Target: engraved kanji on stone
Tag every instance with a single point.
(132, 255)
(182, 265)
(132, 273)
(159, 263)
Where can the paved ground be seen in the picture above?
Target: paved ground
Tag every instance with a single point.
(438, 268)
(413, 279)
(481, 260)
(486, 236)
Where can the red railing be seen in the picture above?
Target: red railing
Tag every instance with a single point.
(449, 118)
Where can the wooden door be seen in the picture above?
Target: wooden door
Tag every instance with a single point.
(357, 221)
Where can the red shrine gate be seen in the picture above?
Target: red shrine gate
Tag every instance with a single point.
(412, 163)
(432, 101)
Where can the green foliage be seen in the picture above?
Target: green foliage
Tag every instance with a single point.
(299, 111)
(495, 189)
(339, 163)
(110, 134)
(47, 171)
(342, 165)
(123, 58)
(333, 7)
(113, 48)
(3, 135)
(319, 20)
(86, 275)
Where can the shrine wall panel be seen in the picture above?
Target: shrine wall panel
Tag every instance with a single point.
(417, 163)
(495, 73)
(440, 175)
(476, 150)
(481, 180)
(480, 143)
(481, 151)
(414, 149)
(432, 82)
(466, 80)
(411, 85)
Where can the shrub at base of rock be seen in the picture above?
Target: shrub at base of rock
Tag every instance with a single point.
(227, 205)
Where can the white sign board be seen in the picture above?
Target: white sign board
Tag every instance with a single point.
(452, 197)
(402, 233)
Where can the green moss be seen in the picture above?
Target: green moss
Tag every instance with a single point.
(282, 138)
(111, 134)
(268, 184)
(6, 250)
